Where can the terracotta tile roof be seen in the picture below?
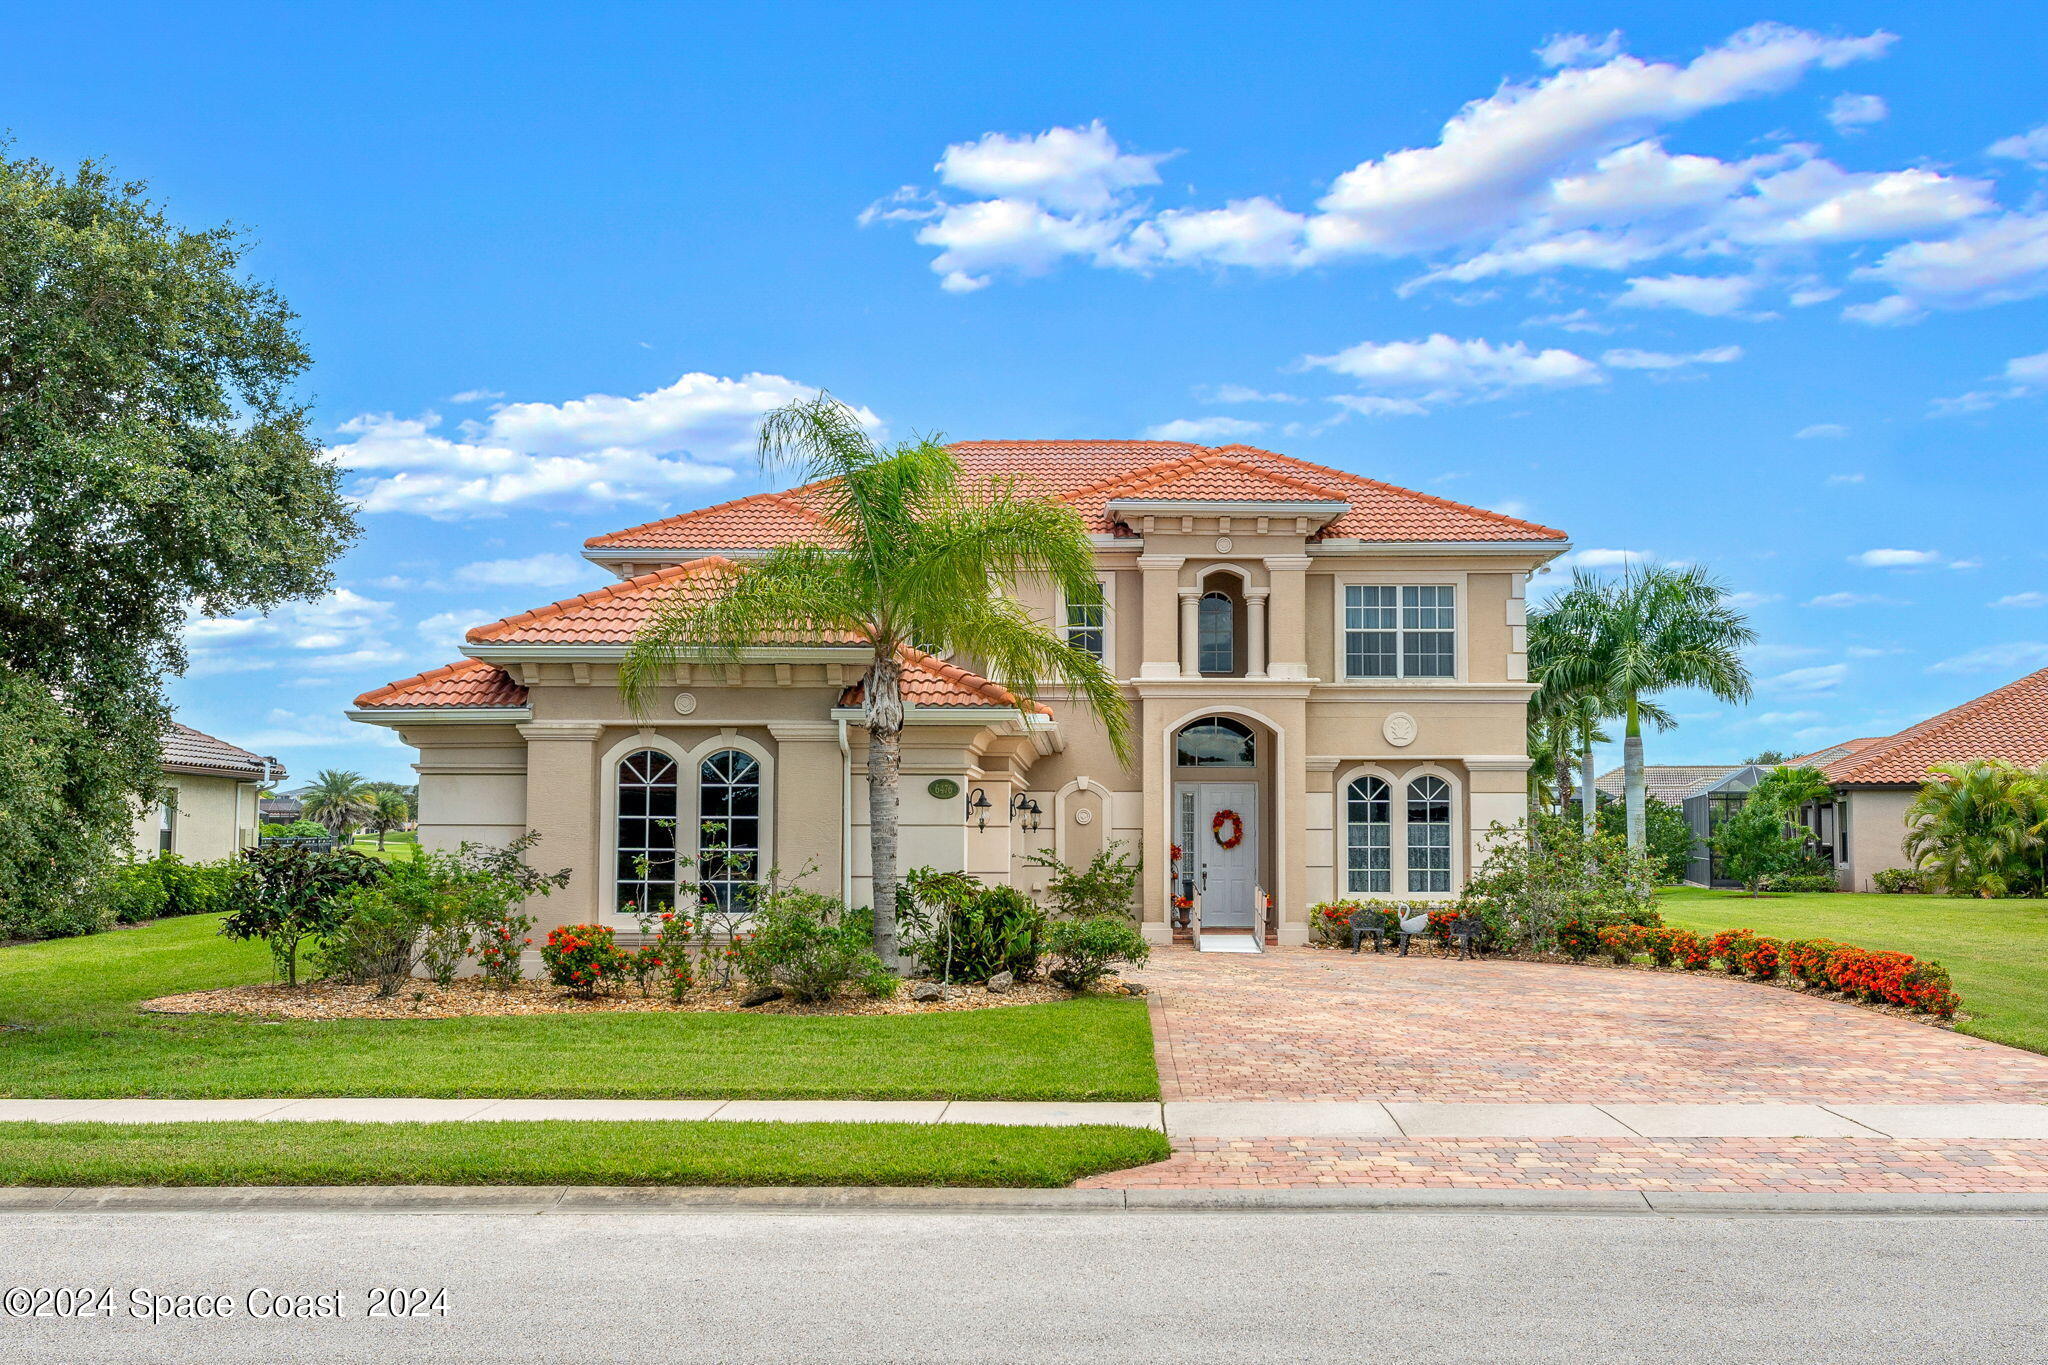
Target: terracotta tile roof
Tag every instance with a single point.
(186, 750)
(471, 682)
(613, 614)
(928, 681)
(2011, 723)
(1086, 472)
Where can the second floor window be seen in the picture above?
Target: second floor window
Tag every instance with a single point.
(1408, 631)
(1218, 633)
(1087, 617)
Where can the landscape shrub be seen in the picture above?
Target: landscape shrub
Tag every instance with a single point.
(583, 959)
(1107, 886)
(1083, 951)
(1542, 875)
(1690, 949)
(1896, 881)
(1620, 942)
(1807, 959)
(1329, 923)
(1659, 944)
(137, 890)
(811, 946)
(297, 829)
(959, 930)
(1667, 835)
(1801, 881)
(290, 894)
(1759, 957)
(1728, 946)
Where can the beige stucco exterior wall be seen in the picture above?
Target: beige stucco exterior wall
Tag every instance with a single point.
(216, 818)
(1877, 834)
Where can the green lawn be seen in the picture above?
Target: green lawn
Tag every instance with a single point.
(68, 1028)
(549, 1153)
(398, 844)
(1997, 951)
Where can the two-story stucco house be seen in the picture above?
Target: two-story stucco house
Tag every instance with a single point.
(1332, 665)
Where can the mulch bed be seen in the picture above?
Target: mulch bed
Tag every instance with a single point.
(470, 998)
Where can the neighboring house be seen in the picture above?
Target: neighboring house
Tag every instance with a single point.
(1864, 828)
(281, 809)
(210, 807)
(1336, 663)
(1706, 793)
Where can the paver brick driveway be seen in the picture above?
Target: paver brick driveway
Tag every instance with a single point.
(1313, 1024)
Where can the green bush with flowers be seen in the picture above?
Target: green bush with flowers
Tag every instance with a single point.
(583, 959)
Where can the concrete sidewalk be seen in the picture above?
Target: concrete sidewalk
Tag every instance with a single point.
(1179, 1119)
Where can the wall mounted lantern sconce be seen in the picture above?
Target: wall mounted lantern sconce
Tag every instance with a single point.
(1023, 805)
(978, 807)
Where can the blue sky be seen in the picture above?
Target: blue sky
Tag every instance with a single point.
(1765, 298)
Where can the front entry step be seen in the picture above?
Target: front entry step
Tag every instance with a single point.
(1227, 941)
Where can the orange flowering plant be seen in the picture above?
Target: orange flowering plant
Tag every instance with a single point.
(583, 958)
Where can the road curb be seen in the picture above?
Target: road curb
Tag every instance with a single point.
(553, 1199)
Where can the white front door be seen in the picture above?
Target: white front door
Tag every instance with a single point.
(1228, 874)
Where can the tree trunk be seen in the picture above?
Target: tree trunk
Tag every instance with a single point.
(1589, 800)
(1561, 766)
(1632, 776)
(882, 691)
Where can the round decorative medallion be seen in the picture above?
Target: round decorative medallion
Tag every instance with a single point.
(1223, 544)
(945, 788)
(1084, 816)
(686, 702)
(1399, 729)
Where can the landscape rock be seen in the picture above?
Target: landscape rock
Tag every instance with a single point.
(1001, 982)
(1134, 988)
(927, 991)
(760, 995)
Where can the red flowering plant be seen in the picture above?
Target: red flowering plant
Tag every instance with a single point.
(1690, 949)
(1659, 944)
(665, 955)
(500, 943)
(1620, 941)
(1807, 959)
(1760, 957)
(1728, 946)
(583, 959)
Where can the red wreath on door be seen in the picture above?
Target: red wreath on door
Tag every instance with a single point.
(1236, 823)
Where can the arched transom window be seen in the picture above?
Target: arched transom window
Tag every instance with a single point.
(1429, 834)
(728, 828)
(644, 879)
(1369, 837)
(1215, 742)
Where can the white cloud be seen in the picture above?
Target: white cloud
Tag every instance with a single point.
(1664, 360)
(1442, 369)
(1999, 261)
(2022, 376)
(1061, 168)
(475, 395)
(1744, 600)
(1374, 405)
(340, 630)
(1604, 559)
(598, 450)
(534, 571)
(2023, 599)
(1778, 719)
(1200, 429)
(1854, 599)
(1578, 49)
(283, 730)
(1807, 681)
(1837, 480)
(1821, 431)
(1564, 170)
(1711, 296)
(2005, 658)
(2030, 147)
(1896, 559)
(1241, 393)
(1854, 113)
(1577, 320)
(446, 630)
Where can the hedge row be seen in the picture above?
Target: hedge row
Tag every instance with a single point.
(1873, 976)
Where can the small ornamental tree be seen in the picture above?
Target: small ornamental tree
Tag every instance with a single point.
(1753, 847)
(1544, 874)
(1668, 835)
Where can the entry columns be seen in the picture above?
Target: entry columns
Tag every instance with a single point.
(1255, 642)
(1191, 632)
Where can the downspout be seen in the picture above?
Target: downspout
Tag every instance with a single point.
(845, 817)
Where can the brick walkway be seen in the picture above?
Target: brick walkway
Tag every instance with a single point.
(1307, 1024)
(1310, 1024)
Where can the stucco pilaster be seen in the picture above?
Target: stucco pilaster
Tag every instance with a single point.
(562, 805)
(1287, 641)
(1159, 656)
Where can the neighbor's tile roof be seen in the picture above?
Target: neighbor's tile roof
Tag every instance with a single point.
(1820, 758)
(928, 681)
(1090, 474)
(186, 750)
(471, 682)
(2011, 723)
(1667, 783)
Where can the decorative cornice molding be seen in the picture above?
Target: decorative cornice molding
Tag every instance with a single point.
(579, 731)
(801, 731)
(1161, 561)
(440, 715)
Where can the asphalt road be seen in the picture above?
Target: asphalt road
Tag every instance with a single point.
(756, 1286)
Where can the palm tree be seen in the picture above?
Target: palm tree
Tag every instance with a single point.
(923, 561)
(337, 799)
(1657, 627)
(1966, 830)
(1569, 706)
(388, 811)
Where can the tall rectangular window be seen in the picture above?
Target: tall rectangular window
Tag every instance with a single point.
(1400, 632)
(1087, 621)
(166, 826)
